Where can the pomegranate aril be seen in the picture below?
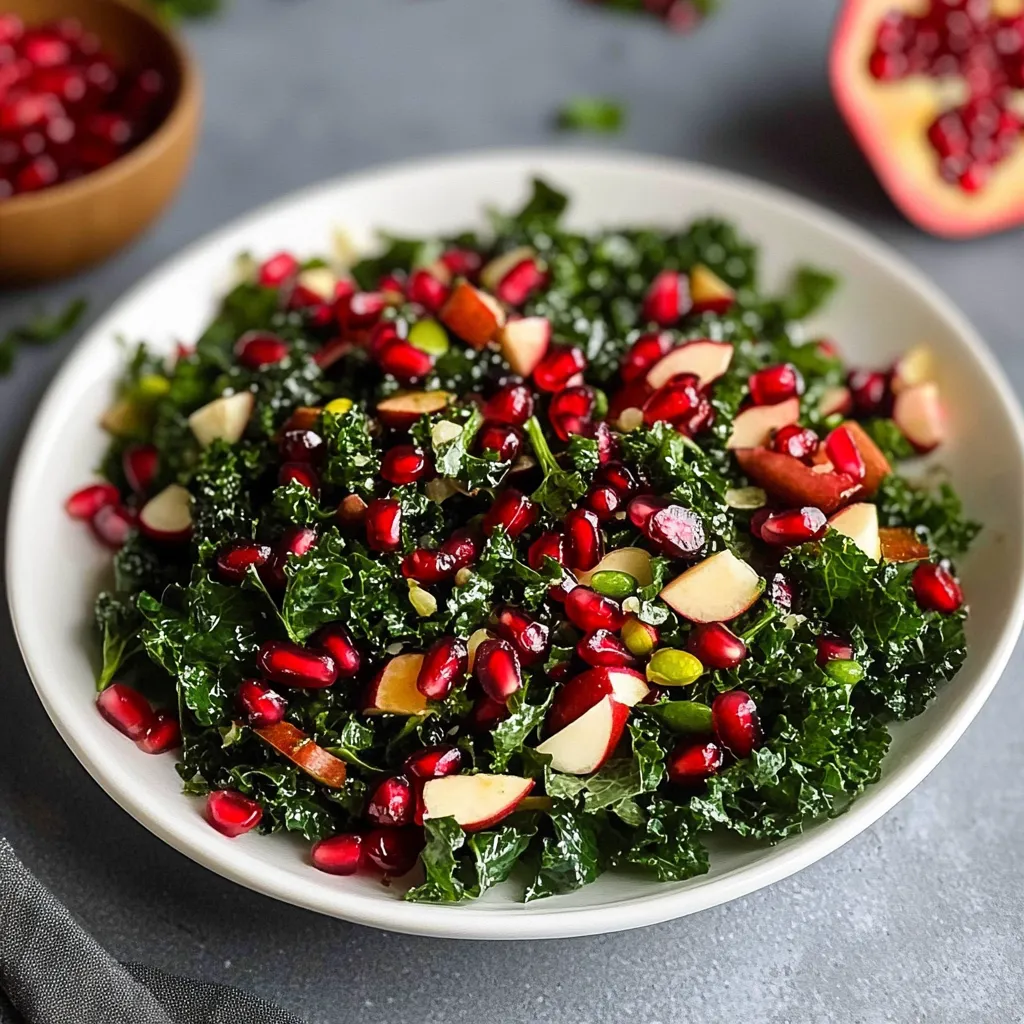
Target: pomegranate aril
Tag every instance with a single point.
(337, 641)
(338, 855)
(691, 764)
(289, 664)
(642, 508)
(870, 392)
(604, 502)
(547, 545)
(231, 813)
(584, 541)
(757, 520)
(604, 648)
(84, 504)
(775, 384)
(496, 667)
(234, 559)
(796, 526)
(126, 710)
(45, 49)
(444, 663)
(571, 410)
(262, 705)
(716, 646)
(426, 290)
(384, 525)
(392, 803)
(404, 464)
(462, 262)
(843, 453)
(278, 270)
(140, 463)
(618, 476)
(528, 636)
(674, 402)
(677, 531)
(520, 283)
(643, 354)
(832, 648)
(301, 446)
(780, 592)
(667, 298)
(434, 762)
(935, 589)
(393, 850)
(382, 335)
(426, 566)
(486, 714)
(560, 364)
(800, 442)
(163, 735)
(590, 611)
(296, 540)
(112, 525)
(405, 362)
(300, 473)
(361, 310)
(511, 510)
(463, 546)
(504, 440)
(511, 405)
(736, 723)
(39, 173)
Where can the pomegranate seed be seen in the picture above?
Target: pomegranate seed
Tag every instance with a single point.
(462, 262)
(405, 362)
(691, 764)
(351, 510)
(674, 402)
(404, 464)
(163, 735)
(641, 509)
(643, 354)
(618, 476)
(527, 636)
(426, 290)
(112, 525)
(948, 134)
(667, 299)
(256, 350)
(301, 446)
(296, 540)
(496, 668)
(715, 646)
(547, 545)
(232, 814)
(234, 559)
(291, 665)
(794, 527)
(140, 463)
(361, 310)
(463, 546)
(511, 510)
(775, 384)
(299, 473)
(678, 531)
(888, 67)
(486, 714)
(632, 396)
(736, 724)
(520, 283)
(39, 173)
(757, 520)
(444, 663)
(560, 364)
(591, 611)
(338, 855)
(278, 270)
(800, 442)
(504, 440)
(511, 405)
(84, 504)
(126, 710)
(604, 502)
(393, 850)
(45, 49)
(935, 589)
(391, 803)
(584, 540)
(262, 705)
(336, 640)
(843, 453)
(831, 648)
(381, 335)
(434, 762)
(870, 392)
(384, 525)
(571, 410)
(392, 285)
(780, 592)
(427, 566)
(603, 648)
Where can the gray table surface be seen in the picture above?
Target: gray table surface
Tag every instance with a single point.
(917, 919)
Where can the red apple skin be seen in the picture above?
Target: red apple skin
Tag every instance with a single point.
(794, 484)
(579, 694)
(617, 725)
(473, 315)
(499, 815)
(401, 411)
(876, 465)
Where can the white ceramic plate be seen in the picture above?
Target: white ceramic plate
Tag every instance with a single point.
(884, 307)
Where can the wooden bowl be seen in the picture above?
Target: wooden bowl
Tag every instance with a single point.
(59, 230)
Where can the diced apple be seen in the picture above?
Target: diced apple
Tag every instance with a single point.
(859, 522)
(394, 690)
(474, 801)
(633, 562)
(167, 516)
(497, 269)
(585, 744)
(876, 465)
(524, 343)
(710, 294)
(402, 411)
(901, 544)
(319, 280)
(919, 414)
(917, 366)
(291, 742)
(794, 484)
(753, 427)
(835, 400)
(473, 315)
(715, 590)
(223, 419)
(578, 695)
(707, 360)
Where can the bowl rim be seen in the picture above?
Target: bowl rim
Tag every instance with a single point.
(552, 921)
(150, 149)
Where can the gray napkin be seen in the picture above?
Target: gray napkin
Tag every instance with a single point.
(51, 972)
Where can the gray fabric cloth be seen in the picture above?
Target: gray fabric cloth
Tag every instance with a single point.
(52, 972)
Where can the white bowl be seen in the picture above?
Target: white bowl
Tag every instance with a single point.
(54, 568)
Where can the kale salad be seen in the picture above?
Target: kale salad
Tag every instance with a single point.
(523, 553)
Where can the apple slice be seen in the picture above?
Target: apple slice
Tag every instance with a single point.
(224, 418)
(707, 360)
(901, 544)
(402, 411)
(794, 484)
(753, 427)
(859, 522)
(919, 414)
(876, 465)
(633, 562)
(394, 690)
(578, 695)
(292, 743)
(715, 590)
(524, 343)
(473, 315)
(585, 744)
(835, 400)
(474, 801)
(710, 294)
(497, 269)
(916, 366)
(167, 516)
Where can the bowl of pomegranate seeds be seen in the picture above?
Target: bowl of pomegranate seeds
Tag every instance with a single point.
(99, 110)
(543, 574)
